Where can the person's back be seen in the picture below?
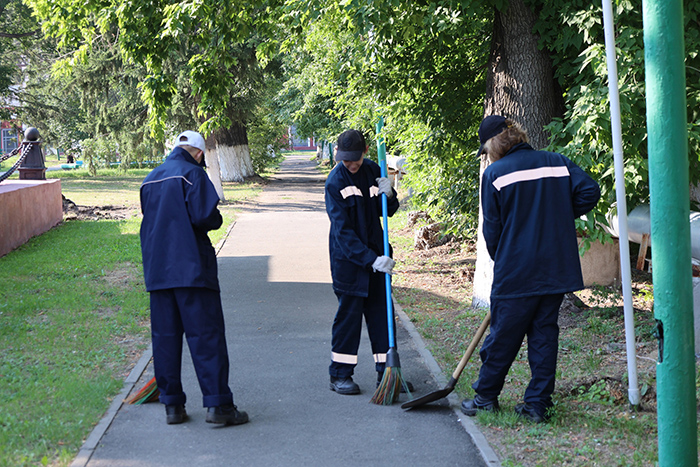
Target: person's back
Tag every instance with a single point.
(179, 207)
(529, 221)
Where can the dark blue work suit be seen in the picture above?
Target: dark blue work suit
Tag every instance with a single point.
(530, 200)
(179, 205)
(354, 207)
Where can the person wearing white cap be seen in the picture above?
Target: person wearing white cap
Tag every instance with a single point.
(179, 205)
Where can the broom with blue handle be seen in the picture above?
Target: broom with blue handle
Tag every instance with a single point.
(392, 380)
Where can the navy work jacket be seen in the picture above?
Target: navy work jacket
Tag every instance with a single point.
(179, 205)
(354, 207)
(530, 200)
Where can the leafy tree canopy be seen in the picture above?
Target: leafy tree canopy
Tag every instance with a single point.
(218, 39)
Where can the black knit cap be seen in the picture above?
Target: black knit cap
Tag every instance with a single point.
(351, 145)
(490, 127)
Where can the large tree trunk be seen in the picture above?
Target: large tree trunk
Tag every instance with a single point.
(234, 153)
(520, 85)
(520, 81)
(212, 160)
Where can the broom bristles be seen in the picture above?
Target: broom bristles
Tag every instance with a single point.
(148, 393)
(390, 387)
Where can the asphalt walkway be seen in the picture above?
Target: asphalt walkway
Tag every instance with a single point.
(279, 306)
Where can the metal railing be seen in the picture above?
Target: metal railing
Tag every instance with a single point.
(24, 150)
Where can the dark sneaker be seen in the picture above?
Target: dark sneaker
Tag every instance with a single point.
(226, 415)
(344, 385)
(470, 407)
(175, 414)
(380, 376)
(531, 414)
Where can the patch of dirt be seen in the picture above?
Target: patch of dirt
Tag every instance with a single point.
(72, 211)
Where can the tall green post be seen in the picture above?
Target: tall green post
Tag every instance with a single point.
(670, 231)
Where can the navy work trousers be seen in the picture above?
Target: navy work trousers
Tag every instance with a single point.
(197, 313)
(511, 321)
(347, 328)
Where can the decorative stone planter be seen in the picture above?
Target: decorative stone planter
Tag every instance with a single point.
(27, 208)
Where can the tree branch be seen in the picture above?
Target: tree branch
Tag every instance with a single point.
(22, 34)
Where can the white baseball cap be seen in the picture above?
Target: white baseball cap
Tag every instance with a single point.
(191, 138)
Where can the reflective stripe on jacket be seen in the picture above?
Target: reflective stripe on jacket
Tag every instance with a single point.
(354, 208)
(529, 201)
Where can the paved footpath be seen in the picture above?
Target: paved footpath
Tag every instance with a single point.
(279, 307)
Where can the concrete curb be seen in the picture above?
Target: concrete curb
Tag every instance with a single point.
(93, 440)
(486, 451)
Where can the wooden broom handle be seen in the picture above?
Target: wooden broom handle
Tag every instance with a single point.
(475, 341)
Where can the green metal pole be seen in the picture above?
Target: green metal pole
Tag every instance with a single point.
(670, 231)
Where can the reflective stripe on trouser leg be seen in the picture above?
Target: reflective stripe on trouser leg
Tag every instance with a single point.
(345, 340)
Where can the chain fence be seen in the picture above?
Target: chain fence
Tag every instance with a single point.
(24, 149)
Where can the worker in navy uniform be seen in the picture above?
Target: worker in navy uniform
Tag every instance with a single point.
(529, 200)
(358, 265)
(179, 205)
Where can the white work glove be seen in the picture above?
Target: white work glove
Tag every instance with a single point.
(383, 264)
(385, 187)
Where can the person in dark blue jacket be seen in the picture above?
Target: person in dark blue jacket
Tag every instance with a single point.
(358, 264)
(529, 200)
(179, 205)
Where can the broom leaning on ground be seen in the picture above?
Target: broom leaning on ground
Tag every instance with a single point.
(148, 393)
(392, 380)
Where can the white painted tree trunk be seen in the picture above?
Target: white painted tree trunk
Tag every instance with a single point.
(212, 160)
(235, 162)
(483, 273)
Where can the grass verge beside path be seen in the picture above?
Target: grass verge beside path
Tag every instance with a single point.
(74, 317)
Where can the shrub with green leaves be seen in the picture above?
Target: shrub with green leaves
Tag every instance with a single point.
(584, 134)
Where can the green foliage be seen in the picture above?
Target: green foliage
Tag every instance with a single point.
(584, 134)
(100, 152)
(421, 68)
(267, 139)
(213, 42)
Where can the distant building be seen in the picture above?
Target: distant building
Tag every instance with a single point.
(9, 136)
(299, 144)
(10, 130)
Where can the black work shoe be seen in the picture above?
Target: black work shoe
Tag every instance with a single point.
(470, 407)
(226, 415)
(380, 376)
(175, 414)
(529, 413)
(344, 385)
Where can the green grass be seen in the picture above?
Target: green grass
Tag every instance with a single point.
(72, 310)
(74, 317)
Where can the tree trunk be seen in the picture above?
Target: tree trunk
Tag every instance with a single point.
(212, 160)
(520, 81)
(233, 153)
(520, 85)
